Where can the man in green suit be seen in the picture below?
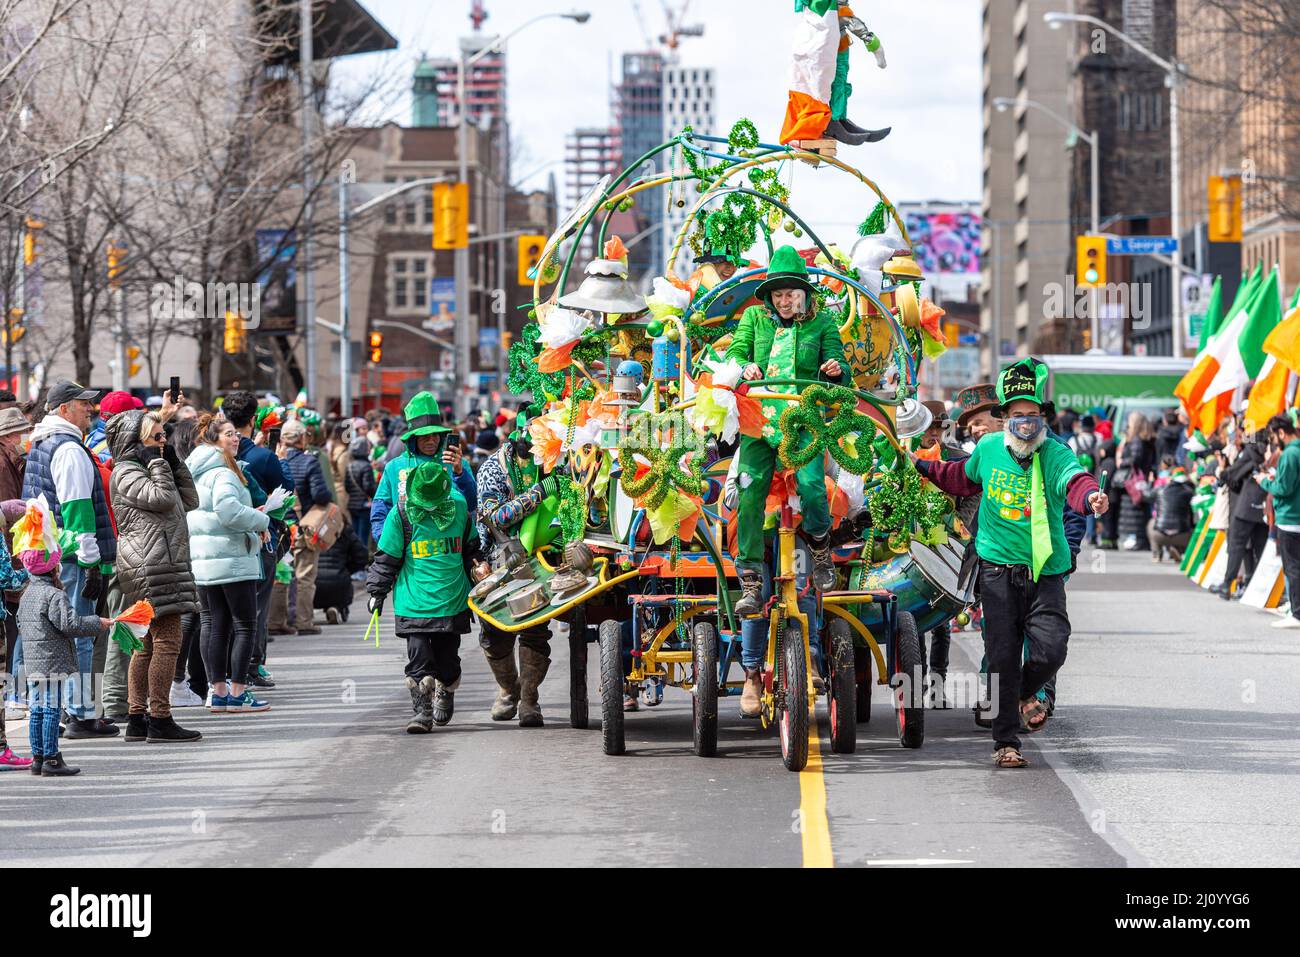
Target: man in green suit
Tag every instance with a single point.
(787, 338)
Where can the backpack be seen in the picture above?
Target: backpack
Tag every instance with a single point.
(1085, 447)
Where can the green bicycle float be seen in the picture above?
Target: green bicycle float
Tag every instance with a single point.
(635, 408)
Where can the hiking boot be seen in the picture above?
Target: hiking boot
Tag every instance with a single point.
(421, 706)
(751, 597)
(751, 698)
(137, 727)
(444, 702)
(166, 730)
(56, 767)
(532, 671)
(506, 705)
(823, 564)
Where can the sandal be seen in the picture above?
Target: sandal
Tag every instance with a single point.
(1009, 757)
(1031, 709)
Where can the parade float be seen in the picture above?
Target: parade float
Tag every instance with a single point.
(637, 409)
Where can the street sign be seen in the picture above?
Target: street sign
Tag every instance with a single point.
(968, 339)
(1196, 295)
(1141, 245)
(442, 303)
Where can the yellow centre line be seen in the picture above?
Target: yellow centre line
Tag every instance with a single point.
(812, 801)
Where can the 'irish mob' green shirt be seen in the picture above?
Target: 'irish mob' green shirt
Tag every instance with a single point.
(1004, 520)
(432, 582)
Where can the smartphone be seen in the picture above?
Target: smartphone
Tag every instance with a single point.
(175, 388)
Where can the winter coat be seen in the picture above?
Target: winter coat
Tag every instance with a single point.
(1168, 440)
(1173, 512)
(62, 469)
(817, 341)
(308, 480)
(225, 530)
(1285, 486)
(150, 499)
(1248, 500)
(335, 568)
(48, 624)
(339, 457)
(360, 477)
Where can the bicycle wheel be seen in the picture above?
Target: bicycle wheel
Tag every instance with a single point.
(612, 681)
(578, 713)
(704, 700)
(844, 688)
(793, 717)
(909, 710)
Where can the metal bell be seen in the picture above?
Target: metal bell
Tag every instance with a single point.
(606, 290)
(913, 419)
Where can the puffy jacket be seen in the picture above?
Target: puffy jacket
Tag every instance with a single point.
(48, 624)
(150, 502)
(335, 568)
(1174, 506)
(225, 530)
(67, 473)
(360, 477)
(308, 479)
(1248, 498)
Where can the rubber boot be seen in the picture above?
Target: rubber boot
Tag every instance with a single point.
(751, 599)
(444, 702)
(503, 670)
(823, 564)
(421, 705)
(532, 671)
(751, 698)
(56, 767)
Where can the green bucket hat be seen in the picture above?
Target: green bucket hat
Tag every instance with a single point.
(428, 493)
(423, 416)
(1026, 379)
(786, 271)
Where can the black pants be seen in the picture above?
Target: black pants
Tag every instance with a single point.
(940, 642)
(497, 644)
(263, 610)
(228, 629)
(1246, 541)
(1017, 608)
(435, 653)
(1288, 546)
(191, 656)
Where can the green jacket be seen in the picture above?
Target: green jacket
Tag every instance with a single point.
(1285, 488)
(817, 340)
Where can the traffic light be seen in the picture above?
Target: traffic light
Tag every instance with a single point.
(450, 215)
(1090, 262)
(115, 254)
(31, 240)
(132, 353)
(234, 338)
(376, 348)
(1225, 209)
(530, 254)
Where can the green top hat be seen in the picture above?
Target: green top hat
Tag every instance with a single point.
(423, 417)
(786, 271)
(1026, 379)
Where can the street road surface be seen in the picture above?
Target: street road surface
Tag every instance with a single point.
(1174, 744)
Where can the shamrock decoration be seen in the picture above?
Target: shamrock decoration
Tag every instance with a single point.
(807, 417)
(666, 473)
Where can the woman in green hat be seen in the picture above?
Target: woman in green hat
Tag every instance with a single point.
(786, 338)
(427, 440)
(425, 551)
(1024, 481)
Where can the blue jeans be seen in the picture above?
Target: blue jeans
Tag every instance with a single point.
(361, 525)
(46, 698)
(753, 631)
(1090, 529)
(81, 689)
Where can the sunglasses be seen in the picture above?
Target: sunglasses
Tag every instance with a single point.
(157, 436)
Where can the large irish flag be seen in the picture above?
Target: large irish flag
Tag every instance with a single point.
(1191, 390)
(1237, 353)
(1268, 396)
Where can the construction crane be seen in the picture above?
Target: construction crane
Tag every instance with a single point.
(477, 14)
(672, 38)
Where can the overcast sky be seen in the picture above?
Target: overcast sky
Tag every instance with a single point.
(559, 76)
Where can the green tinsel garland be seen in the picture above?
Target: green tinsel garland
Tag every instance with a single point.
(573, 510)
(666, 473)
(825, 436)
(900, 503)
(877, 220)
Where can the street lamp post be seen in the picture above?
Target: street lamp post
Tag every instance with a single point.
(1173, 76)
(1093, 139)
(462, 339)
(342, 330)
